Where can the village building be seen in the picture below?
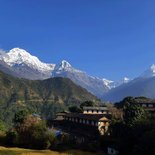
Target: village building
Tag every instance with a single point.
(94, 117)
(95, 110)
(149, 106)
(99, 121)
(146, 103)
(61, 116)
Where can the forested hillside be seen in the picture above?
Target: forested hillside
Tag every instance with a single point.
(42, 97)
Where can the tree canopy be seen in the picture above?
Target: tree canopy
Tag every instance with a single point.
(134, 114)
(20, 116)
(87, 104)
(75, 109)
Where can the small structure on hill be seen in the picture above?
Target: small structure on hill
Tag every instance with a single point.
(95, 110)
(146, 103)
(149, 106)
(61, 115)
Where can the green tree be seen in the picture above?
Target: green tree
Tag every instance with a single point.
(125, 102)
(134, 114)
(20, 116)
(35, 136)
(2, 126)
(129, 133)
(75, 109)
(39, 137)
(87, 104)
(11, 138)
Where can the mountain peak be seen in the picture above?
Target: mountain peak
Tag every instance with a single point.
(65, 64)
(126, 79)
(18, 51)
(106, 81)
(18, 56)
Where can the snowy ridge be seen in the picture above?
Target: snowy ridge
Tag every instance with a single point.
(108, 83)
(64, 66)
(113, 84)
(18, 56)
(92, 84)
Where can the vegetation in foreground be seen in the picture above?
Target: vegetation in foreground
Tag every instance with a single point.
(132, 132)
(135, 133)
(30, 131)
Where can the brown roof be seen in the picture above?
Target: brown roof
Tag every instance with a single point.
(94, 117)
(62, 113)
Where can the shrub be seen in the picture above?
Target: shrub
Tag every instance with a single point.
(2, 126)
(12, 138)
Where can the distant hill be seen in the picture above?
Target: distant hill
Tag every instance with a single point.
(42, 96)
(138, 87)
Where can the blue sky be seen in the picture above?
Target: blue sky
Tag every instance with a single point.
(105, 38)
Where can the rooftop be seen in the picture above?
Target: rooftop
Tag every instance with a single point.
(95, 108)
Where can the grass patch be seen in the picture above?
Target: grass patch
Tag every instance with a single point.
(19, 151)
(8, 152)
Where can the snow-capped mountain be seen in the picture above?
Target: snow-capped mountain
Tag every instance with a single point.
(137, 87)
(144, 85)
(22, 64)
(64, 66)
(110, 84)
(126, 80)
(122, 81)
(94, 85)
(18, 56)
(113, 84)
(26, 65)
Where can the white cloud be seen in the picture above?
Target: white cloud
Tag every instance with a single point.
(2, 53)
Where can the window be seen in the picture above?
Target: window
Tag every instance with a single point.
(150, 105)
(144, 105)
